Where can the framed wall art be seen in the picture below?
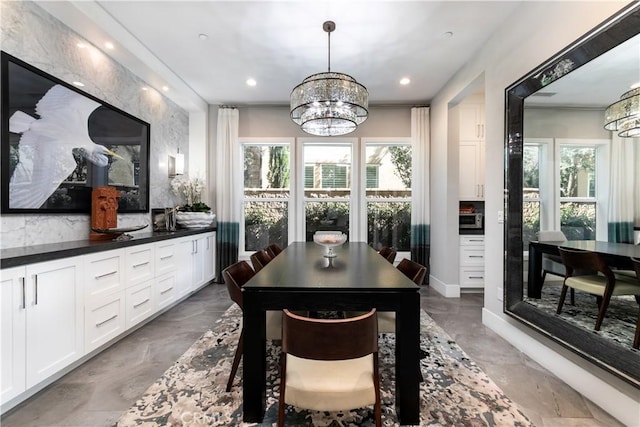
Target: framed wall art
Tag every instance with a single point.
(58, 143)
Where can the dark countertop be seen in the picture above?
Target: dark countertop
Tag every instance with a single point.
(472, 231)
(13, 257)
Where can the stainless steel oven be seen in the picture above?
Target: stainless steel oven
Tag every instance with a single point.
(471, 221)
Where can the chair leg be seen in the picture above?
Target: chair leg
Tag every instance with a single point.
(603, 307)
(283, 386)
(636, 339)
(236, 361)
(563, 295)
(573, 296)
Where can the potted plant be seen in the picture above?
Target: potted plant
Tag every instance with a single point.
(194, 213)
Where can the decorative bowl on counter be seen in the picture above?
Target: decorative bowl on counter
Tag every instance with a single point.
(194, 219)
(330, 240)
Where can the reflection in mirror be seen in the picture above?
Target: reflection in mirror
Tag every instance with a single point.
(568, 175)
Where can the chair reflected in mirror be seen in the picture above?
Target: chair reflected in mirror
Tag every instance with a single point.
(259, 259)
(387, 253)
(273, 250)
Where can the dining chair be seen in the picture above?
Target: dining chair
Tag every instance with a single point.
(552, 264)
(388, 253)
(273, 250)
(235, 277)
(636, 338)
(603, 285)
(329, 364)
(259, 259)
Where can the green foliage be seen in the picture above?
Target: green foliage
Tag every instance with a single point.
(578, 221)
(278, 174)
(265, 223)
(196, 207)
(573, 160)
(389, 224)
(401, 159)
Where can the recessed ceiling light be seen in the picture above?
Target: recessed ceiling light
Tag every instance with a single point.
(145, 88)
(203, 36)
(635, 85)
(447, 35)
(81, 45)
(79, 84)
(108, 45)
(405, 81)
(165, 88)
(251, 82)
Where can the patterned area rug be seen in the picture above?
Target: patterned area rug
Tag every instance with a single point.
(619, 323)
(455, 391)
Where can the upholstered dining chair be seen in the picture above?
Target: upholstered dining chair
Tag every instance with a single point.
(329, 364)
(235, 276)
(603, 285)
(414, 271)
(259, 259)
(273, 250)
(552, 264)
(636, 338)
(388, 253)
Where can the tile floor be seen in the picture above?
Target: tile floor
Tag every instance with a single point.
(96, 393)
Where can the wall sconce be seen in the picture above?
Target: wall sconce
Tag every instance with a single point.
(176, 165)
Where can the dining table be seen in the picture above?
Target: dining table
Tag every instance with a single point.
(357, 278)
(616, 255)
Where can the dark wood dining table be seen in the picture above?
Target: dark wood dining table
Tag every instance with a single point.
(301, 278)
(614, 254)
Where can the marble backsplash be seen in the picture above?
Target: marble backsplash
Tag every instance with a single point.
(34, 36)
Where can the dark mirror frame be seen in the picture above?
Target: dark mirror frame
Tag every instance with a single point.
(618, 361)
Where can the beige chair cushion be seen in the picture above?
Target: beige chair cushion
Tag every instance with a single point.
(322, 385)
(595, 285)
(625, 274)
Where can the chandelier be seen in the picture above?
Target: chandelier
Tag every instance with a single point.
(624, 116)
(329, 104)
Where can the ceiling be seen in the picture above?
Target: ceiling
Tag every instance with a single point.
(279, 43)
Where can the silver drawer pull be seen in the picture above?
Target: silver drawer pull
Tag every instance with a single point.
(476, 256)
(165, 291)
(24, 293)
(100, 276)
(105, 321)
(140, 265)
(476, 277)
(140, 303)
(165, 257)
(475, 240)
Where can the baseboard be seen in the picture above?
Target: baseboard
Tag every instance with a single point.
(448, 291)
(619, 399)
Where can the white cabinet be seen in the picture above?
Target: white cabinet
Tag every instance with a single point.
(140, 302)
(209, 257)
(54, 299)
(104, 274)
(472, 261)
(139, 264)
(195, 256)
(14, 323)
(472, 146)
(184, 257)
(165, 253)
(165, 291)
(104, 320)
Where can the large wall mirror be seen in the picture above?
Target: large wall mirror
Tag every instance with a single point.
(558, 177)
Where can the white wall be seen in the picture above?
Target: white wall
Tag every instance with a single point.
(33, 35)
(536, 32)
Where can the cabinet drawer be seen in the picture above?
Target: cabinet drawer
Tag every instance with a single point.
(472, 240)
(471, 277)
(471, 256)
(104, 274)
(165, 290)
(139, 264)
(165, 258)
(139, 301)
(104, 320)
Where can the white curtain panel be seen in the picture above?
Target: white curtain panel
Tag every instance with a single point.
(228, 188)
(636, 181)
(420, 221)
(622, 189)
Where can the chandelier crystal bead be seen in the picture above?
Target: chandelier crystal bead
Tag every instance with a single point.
(330, 103)
(624, 116)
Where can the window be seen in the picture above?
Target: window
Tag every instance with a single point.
(530, 193)
(578, 191)
(266, 195)
(388, 194)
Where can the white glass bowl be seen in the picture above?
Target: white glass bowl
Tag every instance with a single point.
(329, 240)
(194, 219)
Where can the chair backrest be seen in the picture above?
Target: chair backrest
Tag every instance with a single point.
(273, 250)
(388, 253)
(636, 266)
(413, 270)
(551, 236)
(259, 259)
(235, 276)
(577, 259)
(330, 339)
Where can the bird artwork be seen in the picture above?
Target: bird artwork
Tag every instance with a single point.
(46, 146)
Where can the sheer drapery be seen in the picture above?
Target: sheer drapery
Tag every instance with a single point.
(420, 221)
(624, 189)
(228, 185)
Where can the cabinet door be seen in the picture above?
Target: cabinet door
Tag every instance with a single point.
(104, 320)
(13, 315)
(104, 274)
(210, 257)
(54, 317)
(140, 304)
(471, 121)
(199, 252)
(184, 276)
(165, 291)
(165, 257)
(470, 170)
(139, 264)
